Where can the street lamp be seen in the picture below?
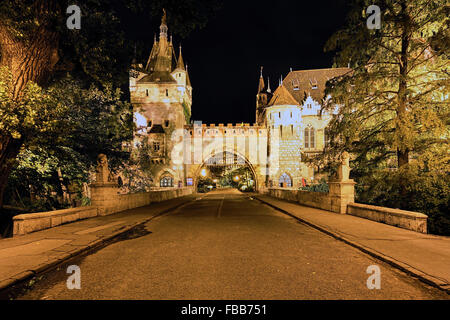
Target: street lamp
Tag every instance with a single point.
(203, 173)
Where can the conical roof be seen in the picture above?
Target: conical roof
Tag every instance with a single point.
(180, 63)
(281, 96)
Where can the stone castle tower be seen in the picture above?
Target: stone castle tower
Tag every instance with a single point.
(295, 123)
(161, 95)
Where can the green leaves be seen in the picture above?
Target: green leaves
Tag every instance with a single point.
(64, 128)
(394, 108)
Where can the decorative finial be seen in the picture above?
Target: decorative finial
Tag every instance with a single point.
(164, 17)
(268, 85)
(261, 71)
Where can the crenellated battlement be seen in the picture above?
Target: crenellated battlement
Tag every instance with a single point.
(238, 129)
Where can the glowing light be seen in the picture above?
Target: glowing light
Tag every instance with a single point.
(203, 172)
(236, 178)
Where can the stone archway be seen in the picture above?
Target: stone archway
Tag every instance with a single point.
(259, 179)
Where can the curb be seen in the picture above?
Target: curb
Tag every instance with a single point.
(426, 278)
(7, 284)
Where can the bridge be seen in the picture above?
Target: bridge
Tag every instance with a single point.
(281, 244)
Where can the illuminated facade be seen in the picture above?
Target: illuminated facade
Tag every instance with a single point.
(294, 121)
(288, 123)
(161, 95)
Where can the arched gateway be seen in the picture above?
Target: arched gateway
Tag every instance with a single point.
(290, 122)
(225, 147)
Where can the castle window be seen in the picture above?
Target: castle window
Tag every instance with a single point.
(313, 83)
(166, 181)
(285, 181)
(310, 140)
(291, 114)
(166, 123)
(149, 123)
(146, 92)
(167, 92)
(309, 106)
(279, 115)
(295, 85)
(156, 146)
(292, 129)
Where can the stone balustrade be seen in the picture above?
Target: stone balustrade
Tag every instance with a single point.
(342, 201)
(105, 200)
(410, 220)
(30, 222)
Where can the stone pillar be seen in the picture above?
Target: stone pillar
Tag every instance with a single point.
(342, 189)
(104, 192)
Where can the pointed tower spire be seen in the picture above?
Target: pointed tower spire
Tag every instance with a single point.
(188, 80)
(268, 86)
(261, 82)
(163, 27)
(180, 63)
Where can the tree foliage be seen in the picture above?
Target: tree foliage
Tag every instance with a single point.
(61, 143)
(38, 51)
(394, 106)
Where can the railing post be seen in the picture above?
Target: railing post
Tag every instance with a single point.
(342, 189)
(104, 191)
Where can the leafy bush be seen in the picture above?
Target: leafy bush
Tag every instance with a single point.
(322, 186)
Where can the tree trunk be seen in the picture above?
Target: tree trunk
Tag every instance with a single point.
(403, 151)
(9, 149)
(29, 59)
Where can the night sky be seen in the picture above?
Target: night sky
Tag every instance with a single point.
(224, 58)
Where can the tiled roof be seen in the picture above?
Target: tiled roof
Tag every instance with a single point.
(311, 82)
(158, 76)
(281, 96)
(157, 128)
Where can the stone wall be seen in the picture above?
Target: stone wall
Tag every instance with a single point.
(30, 222)
(110, 203)
(123, 202)
(340, 203)
(307, 198)
(410, 220)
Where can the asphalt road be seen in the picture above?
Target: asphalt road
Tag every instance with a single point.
(225, 245)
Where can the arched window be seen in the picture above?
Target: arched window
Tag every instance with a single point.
(310, 138)
(166, 181)
(285, 180)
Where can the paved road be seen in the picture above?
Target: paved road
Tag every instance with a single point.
(225, 245)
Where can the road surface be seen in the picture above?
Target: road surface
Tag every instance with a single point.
(226, 245)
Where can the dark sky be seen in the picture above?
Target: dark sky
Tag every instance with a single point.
(224, 58)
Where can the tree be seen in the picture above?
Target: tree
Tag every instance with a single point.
(71, 127)
(36, 49)
(393, 107)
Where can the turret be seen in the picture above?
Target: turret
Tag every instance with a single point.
(262, 98)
